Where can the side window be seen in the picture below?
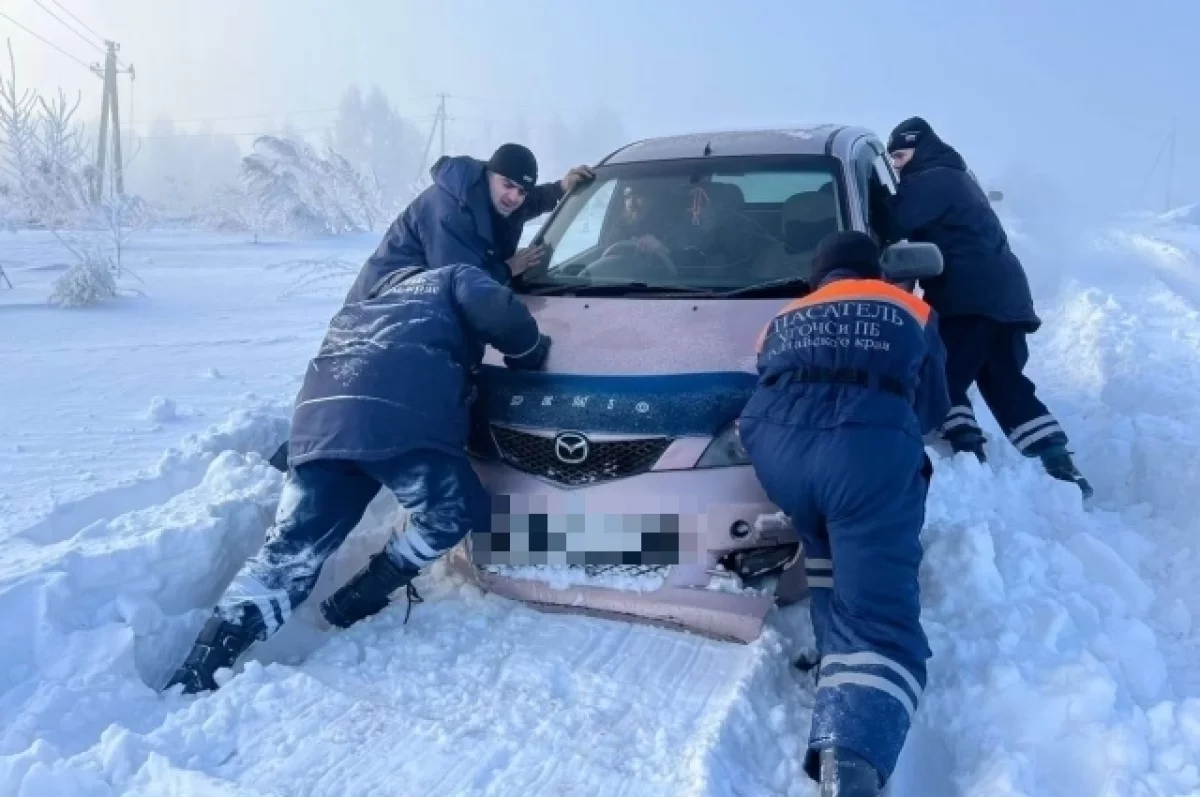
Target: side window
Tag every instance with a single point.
(864, 169)
(880, 183)
(583, 232)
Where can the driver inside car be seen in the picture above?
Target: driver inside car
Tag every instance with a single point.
(642, 216)
(693, 226)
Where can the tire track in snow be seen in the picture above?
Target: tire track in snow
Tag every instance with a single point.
(476, 693)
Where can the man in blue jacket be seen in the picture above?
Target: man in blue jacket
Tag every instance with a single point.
(850, 379)
(385, 403)
(473, 213)
(982, 297)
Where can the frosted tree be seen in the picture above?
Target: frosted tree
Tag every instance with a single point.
(299, 191)
(61, 170)
(18, 128)
(43, 156)
(350, 129)
(395, 146)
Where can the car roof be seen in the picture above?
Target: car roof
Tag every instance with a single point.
(813, 140)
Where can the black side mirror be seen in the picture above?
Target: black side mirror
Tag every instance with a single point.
(907, 260)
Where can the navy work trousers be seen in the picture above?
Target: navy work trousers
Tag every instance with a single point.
(324, 500)
(993, 356)
(856, 496)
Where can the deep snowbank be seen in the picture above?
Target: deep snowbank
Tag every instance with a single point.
(1065, 654)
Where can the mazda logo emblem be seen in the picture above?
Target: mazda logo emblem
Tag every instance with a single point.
(571, 448)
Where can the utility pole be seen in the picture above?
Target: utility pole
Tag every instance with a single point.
(442, 116)
(439, 120)
(109, 107)
(1170, 168)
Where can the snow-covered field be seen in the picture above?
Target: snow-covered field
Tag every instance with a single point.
(133, 482)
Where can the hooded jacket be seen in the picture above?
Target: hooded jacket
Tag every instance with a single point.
(940, 202)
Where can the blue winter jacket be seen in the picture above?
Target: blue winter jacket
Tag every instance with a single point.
(940, 202)
(395, 371)
(451, 222)
(855, 351)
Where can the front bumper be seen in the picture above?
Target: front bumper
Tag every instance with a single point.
(718, 510)
(712, 511)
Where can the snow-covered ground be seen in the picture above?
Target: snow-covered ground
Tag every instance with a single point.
(133, 482)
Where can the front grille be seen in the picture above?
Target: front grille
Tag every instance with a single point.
(607, 459)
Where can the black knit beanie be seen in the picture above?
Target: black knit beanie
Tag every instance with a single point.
(516, 163)
(851, 251)
(909, 133)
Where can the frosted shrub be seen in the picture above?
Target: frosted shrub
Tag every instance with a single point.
(88, 282)
(314, 275)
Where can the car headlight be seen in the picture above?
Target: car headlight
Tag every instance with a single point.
(724, 451)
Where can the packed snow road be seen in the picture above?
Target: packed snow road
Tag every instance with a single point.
(1065, 652)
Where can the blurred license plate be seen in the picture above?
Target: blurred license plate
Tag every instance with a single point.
(584, 539)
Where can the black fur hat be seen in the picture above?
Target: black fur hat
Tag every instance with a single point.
(846, 251)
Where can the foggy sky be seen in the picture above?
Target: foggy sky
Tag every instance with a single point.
(1082, 95)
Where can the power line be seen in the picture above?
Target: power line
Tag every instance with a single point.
(61, 21)
(230, 135)
(425, 117)
(67, 11)
(84, 25)
(246, 116)
(45, 41)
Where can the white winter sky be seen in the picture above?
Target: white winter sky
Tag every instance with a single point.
(1085, 91)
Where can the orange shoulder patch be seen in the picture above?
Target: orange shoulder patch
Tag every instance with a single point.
(872, 290)
(849, 290)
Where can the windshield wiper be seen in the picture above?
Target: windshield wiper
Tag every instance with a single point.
(767, 287)
(615, 288)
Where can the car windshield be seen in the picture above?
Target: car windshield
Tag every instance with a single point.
(711, 225)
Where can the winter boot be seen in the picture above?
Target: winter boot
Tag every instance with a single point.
(844, 774)
(1057, 462)
(367, 593)
(279, 460)
(219, 645)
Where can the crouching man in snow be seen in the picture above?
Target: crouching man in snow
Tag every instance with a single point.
(384, 403)
(850, 378)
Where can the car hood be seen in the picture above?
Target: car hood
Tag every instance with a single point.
(641, 336)
(633, 366)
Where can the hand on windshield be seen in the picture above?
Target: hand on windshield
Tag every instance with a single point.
(576, 176)
(526, 259)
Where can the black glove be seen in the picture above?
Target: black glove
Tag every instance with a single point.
(534, 360)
